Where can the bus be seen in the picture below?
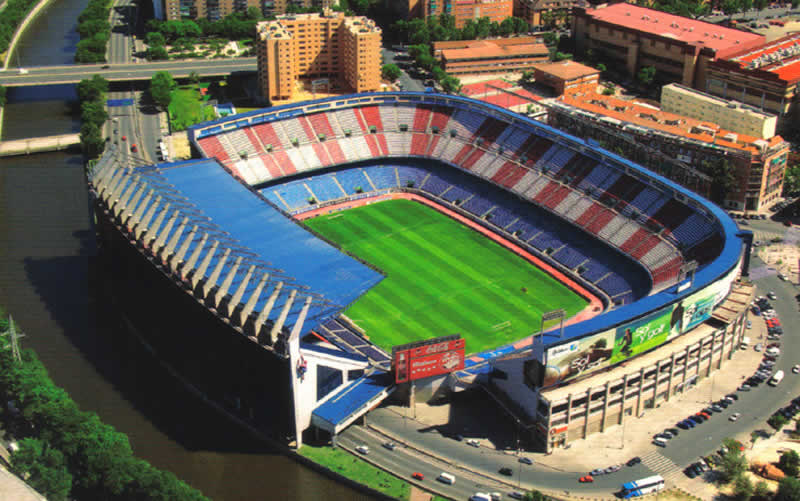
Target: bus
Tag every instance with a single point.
(643, 486)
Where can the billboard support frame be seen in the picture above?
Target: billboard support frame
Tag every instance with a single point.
(552, 315)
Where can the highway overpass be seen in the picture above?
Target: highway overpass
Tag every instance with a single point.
(72, 74)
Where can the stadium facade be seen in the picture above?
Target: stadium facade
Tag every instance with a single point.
(220, 238)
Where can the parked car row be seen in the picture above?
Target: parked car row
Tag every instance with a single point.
(698, 418)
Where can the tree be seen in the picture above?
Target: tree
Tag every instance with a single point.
(791, 180)
(723, 179)
(730, 7)
(194, 77)
(743, 488)
(3, 98)
(527, 77)
(93, 112)
(788, 490)
(155, 39)
(777, 421)
(507, 27)
(601, 67)
(43, 468)
(734, 464)
(92, 142)
(254, 14)
(762, 491)
(92, 89)
(450, 84)
(161, 86)
(790, 463)
(561, 56)
(646, 75)
(390, 72)
(534, 495)
(157, 53)
(550, 39)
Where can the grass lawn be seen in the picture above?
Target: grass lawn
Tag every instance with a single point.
(187, 108)
(443, 278)
(362, 472)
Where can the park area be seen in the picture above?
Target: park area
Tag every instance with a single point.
(442, 278)
(188, 106)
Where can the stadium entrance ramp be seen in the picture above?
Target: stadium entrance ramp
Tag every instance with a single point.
(352, 402)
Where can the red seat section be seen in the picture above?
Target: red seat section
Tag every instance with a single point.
(322, 153)
(421, 118)
(600, 221)
(271, 166)
(373, 145)
(321, 125)
(419, 144)
(285, 163)
(634, 240)
(557, 197)
(645, 247)
(268, 136)
(253, 139)
(382, 143)
(432, 145)
(462, 154)
(440, 118)
(538, 149)
(335, 151)
(473, 157)
(214, 148)
(546, 192)
(667, 271)
(372, 117)
(307, 128)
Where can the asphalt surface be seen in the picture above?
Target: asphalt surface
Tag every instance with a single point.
(409, 84)
(751, 14)
(123, 19)
(54, 75)
(755, 406)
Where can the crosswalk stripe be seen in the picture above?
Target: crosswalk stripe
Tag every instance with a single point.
(660, 464)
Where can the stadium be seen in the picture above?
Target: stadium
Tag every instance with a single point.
(371, 243)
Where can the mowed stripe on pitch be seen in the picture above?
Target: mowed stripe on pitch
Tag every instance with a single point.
(442, 278)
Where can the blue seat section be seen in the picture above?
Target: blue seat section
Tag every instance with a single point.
(595, 271)
(294, 193)
(570, 257)
(645, 199)
(435, 185)
(374, 353)
(353, 398)
(271, 236)
(478, 205)
(559, 159)
(456, 193)
(614, 284)
(600, 177)
(325, 188)
(272, 196)
(693, 230)
(353, 178)
(656, 205)
(383, 177)
(408, 173)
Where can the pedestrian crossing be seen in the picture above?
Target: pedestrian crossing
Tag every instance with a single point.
(766, 236)
(661, 465)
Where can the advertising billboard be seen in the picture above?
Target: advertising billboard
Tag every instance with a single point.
(581, 356)
(433, 357)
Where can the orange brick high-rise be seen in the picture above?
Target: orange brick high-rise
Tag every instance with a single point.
(461, 10)
(328, 45)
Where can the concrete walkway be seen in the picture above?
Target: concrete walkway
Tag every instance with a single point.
(14, 489)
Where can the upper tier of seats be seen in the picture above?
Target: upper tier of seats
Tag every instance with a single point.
(625, 211)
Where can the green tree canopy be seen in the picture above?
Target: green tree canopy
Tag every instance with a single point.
(92, 89)
(93, 112)
(646, 75)
(790, 463)
(156, 53)
(91, 140)
(43, 468)
(450, 84)
(390, 72)
(161, 86)
(743, 488)
(155, 39)
(734, 464)
(788, 490)
(791, 180)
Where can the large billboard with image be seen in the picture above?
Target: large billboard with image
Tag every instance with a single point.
(581, 356)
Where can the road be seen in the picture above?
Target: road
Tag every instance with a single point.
(123, 19)
(752, 14)
(408, 83)
(756, 406)
(116, 72)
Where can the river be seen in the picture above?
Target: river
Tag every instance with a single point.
(49, 283)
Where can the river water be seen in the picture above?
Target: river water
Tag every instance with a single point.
(49, 283)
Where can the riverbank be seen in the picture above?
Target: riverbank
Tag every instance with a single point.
(21, 30)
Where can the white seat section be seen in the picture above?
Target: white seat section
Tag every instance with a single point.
(567, 203)
(574, 212)
(405, 115)
(230, 149)
(241, 142)
(244, 171)
(537, 186)
(360, 148)
(347, 120)
(612, 227)
(310, 156)
(399, 143)
(659, 254)
(348, 148)
(488, 165)
(258, 169)
(443, 141)
(294, 130)
(388, 117)
(527, 180)
(451, 150)
(625, 232)
(297, 159)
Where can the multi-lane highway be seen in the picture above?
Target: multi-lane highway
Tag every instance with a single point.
(116, 72)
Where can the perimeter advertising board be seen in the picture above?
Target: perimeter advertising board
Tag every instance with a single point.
(433, 357)
(568, 360)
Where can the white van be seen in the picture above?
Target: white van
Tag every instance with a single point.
(745, 343)
(480, 496)
(776, 379)
(446, 478)
(659, 441)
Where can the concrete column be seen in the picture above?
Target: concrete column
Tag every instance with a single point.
(152, 231)
(655, 382)
(200, 272)
(162, 234)
(170, 247)
(605, 407)
(124, 197)
(569, 409)
(237, 296)
(641, 389)
(112, 184)
(548, 447)
(251, 303)
(297, 329)
(226, 284)
(671, 375)
(142, 225)
(189, 265)
(586, 413)
(212, 279)
(101, 181)
(624, 398)
(137, 215)
(278, 325)
(128, 209)
(725, 338)
(177, 258)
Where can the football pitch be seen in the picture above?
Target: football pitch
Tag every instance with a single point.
(442, 278)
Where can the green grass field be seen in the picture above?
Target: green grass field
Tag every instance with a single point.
(443, 278)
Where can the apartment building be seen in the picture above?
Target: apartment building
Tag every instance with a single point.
(678, 147)
(629, 37)
(328, 45)
(532, 11)
(473, 57)
(731, 115)
(175, 10)
(567, 77)
(461, 10)
(765, 77)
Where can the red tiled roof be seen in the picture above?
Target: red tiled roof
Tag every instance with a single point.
(781, 57)
(482, 87)
(484, 49)
(679, 28)
(567, 70)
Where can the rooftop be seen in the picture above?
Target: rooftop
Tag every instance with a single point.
(567, 70)
(649, 117)
(781, 56)
(687, 30)
(741, 107)
(485, 49)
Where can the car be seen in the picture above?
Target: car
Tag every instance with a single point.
(417, 476)
(596, 472)
(124, 138)
(773, 351)
(782, 277)
(105, 67)
(689, 472)
(389, 445)
(516, 495)
(586, 479)
(705, 414)
(505, 470)
(684, 425)
(744, 387)
(796, 369)
(758, 347)
(703, 465)
(363, 449)
(716, 408)
(732, 396)
(525, 460)
(473, 442)
(134, 148)
(613, 468)
(634, 461)
(666, 434)
(723, 403)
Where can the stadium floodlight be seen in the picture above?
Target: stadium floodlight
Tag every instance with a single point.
(553, 315)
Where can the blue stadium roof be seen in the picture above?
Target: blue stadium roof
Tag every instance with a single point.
(269, 234)
(353, 398)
